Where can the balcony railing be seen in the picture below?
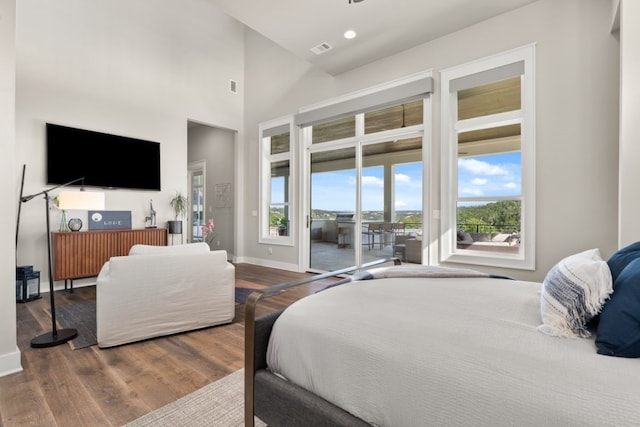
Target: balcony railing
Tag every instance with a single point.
(490, 228)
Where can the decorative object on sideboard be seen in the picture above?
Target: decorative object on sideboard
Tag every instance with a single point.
(75, 224)
(63, 227)
(179, 205)
(79, 201)
(56, 336)
(109, 220)
(151, 219)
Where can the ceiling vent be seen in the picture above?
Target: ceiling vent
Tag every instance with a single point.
(321, 48)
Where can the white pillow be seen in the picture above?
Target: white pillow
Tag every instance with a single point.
(181, 249)
(573, 292)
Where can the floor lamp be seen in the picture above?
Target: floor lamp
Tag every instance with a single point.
(58, 336)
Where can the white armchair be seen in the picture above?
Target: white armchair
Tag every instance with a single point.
(162, 290)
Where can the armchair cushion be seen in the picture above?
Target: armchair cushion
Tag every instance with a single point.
(177, 249)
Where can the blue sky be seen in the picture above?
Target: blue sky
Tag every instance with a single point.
(482, 176)
(337, 190)
(490, 176)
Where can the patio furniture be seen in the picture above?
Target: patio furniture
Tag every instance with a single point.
(371, 230)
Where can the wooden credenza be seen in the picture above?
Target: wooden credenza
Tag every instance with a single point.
(82, 254)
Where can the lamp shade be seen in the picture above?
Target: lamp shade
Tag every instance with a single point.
(81, 200)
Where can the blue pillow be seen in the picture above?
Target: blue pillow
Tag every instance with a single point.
(620, 259)
(618, 332)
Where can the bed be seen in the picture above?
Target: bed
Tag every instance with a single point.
(430, 346)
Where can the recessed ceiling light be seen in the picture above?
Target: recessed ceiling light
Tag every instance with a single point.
(350, 34)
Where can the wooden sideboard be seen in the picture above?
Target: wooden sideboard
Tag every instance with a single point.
(82, 254)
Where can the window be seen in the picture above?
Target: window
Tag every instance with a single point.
(335, 143)
(196, 173)
(488, 191)
(276, 195)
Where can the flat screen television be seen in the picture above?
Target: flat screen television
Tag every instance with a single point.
(104, 160)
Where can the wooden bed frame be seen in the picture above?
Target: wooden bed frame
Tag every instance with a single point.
(267, 396)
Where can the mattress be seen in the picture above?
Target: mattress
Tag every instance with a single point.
(448, 352)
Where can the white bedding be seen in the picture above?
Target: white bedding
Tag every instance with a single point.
(449, 352)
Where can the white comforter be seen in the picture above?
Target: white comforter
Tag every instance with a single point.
(449, 352)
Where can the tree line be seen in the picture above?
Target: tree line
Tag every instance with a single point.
(495, 217)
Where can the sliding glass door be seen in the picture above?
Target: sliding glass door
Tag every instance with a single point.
(333, 205)
(365, 202)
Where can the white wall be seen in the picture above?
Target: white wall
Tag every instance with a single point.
(629, 230)
(277, 84)
(9, 353)
(577, 115)
(139, 69)
(215, 146)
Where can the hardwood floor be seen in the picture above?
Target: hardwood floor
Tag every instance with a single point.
(110, 387)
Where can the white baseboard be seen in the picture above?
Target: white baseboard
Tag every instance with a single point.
(10, 363)
(268, 263)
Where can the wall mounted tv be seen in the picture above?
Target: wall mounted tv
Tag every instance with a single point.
(104, 160)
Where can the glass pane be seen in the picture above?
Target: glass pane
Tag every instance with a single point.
(280, 143)
(336, 129)
(489, 226)
(198, 179)
(373, 193)
(197, 200)
(492, 98)
(394, 117)
(391, 197)
(279, 218)
(279, 222)
(495, 175)
(407, 179)
(333, 203)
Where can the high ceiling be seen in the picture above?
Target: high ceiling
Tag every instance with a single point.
(383, 27)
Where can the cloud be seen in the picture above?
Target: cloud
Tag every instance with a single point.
(511, 185)
(471, 192)
(402, 178)
(479, 181)
(372, 181)
(481, 168)
(400, 204)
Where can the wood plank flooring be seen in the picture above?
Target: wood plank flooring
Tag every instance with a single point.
(110, 387)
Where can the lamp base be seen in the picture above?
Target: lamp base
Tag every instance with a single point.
(51, 340)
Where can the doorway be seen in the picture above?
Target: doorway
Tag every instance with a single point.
(365, 201)
(211, 181)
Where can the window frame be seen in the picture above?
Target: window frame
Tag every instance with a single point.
(450, 126)
(264, 171)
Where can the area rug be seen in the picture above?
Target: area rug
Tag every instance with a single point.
(82, 317)
(220, 403)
